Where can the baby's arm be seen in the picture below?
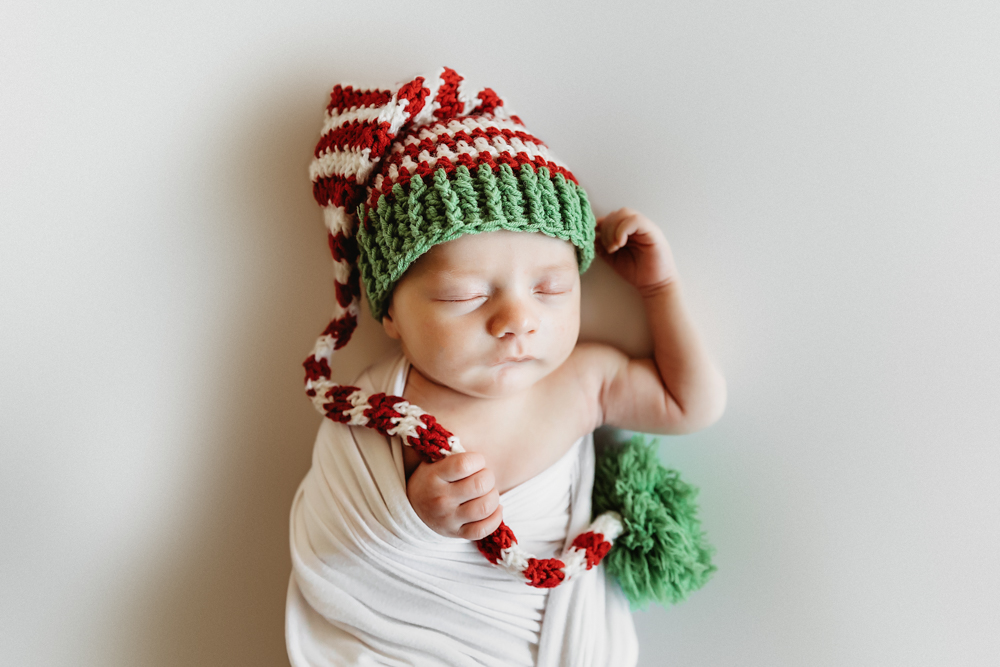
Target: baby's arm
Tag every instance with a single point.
(680, 390)
(456, 496)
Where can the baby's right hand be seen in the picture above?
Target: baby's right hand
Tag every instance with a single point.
(456, 496)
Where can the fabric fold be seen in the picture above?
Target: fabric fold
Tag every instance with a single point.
(372, 584)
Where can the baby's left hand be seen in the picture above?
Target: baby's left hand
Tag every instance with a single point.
(636, 249)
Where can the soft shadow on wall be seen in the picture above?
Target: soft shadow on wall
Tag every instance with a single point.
(215, 594)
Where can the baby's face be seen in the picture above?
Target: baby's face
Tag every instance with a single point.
(489, 314)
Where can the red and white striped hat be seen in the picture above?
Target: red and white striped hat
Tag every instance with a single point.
(398, 171)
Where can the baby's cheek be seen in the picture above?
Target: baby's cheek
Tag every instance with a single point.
(566, 321)
(567, 331)
(449, 341)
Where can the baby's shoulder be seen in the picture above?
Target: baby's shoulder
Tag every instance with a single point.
(585, 376)
(596, 363)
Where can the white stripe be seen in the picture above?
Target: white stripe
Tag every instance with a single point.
(407, 423)
(337, 119)
(342, 271)
(321, 387)
(608, 524)
(455, 445)
(337, 220)
(395, 114)
(575, 560)
(468, 95)
(343, 162)
(391, 112)
(359, 400)
(323, 348)
(501, 112)
(514, 559)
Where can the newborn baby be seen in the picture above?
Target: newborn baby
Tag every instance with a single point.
(470, 238)
(489, 323)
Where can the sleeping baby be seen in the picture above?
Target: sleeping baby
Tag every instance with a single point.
(469, 238)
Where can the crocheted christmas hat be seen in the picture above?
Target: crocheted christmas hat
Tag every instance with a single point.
(398, 171)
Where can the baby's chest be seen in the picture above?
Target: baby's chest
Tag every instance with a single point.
(521, 446)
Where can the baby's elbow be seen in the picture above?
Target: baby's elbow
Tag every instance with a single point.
(708, 410)
(718, 404)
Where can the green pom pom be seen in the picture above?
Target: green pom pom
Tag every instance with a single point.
(662, 556)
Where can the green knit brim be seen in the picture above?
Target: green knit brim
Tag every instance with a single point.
(415, 217)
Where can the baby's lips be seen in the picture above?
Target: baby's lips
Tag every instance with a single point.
(512, 359)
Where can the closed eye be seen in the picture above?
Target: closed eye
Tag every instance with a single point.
(552, 291)
(465, 299)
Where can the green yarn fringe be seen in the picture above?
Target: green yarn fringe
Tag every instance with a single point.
(662, 556)
(443, 206)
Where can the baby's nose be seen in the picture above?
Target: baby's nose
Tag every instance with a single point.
(513, 318)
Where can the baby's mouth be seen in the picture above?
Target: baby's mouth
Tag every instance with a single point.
(510, 360)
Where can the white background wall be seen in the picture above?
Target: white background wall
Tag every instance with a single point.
(828, 174)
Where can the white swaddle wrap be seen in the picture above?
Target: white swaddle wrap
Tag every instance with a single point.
(371, 584)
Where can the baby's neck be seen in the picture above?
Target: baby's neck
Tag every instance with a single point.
(439, 399)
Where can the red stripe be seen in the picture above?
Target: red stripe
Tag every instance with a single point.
(594, 545)
(339, 405)
(382, 411)
(447, 95)
(341, 329)
(338, 190)
(346, 97)
(316, 368)
(343, 247)
(500, 539)
(488, 102)
(350, 291)
(432, 440)
(545, 573)
(357, 134)
(415, 93)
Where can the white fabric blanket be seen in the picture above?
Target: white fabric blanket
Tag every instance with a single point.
(371, 584)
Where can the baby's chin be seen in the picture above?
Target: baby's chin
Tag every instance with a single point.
(507, 379)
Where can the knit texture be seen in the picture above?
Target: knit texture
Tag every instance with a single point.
(662, 556)
(414, 217)
(400, 170)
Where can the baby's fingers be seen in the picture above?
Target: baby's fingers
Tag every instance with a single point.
(476, 485)
(479, 508)
(459, 466)
(477, 530)
(615, 228)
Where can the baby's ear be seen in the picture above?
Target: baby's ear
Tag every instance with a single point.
(390, 325)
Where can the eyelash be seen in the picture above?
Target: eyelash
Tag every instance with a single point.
(553, 291)
(473, 298)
